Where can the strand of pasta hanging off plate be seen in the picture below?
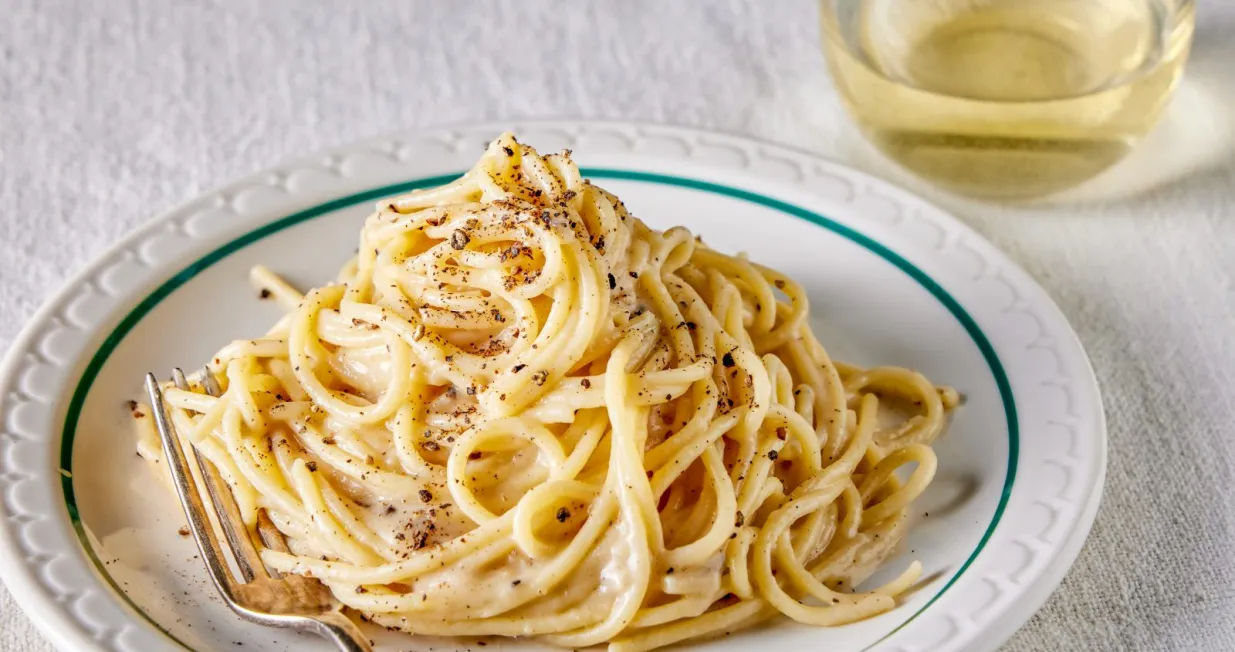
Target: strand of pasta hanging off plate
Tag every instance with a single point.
(522, 412)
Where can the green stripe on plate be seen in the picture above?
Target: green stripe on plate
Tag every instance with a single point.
(153, 299)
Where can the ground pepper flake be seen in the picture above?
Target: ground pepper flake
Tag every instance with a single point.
(459, 239)
(419, 539)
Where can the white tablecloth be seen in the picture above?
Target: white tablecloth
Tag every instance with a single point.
(111, 112)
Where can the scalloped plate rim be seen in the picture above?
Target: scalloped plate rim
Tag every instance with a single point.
(51, 617)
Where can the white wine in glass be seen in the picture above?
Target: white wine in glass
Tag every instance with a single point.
(1006, 98)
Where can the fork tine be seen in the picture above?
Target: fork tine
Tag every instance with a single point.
(234, 529)
(190, 500)
(270, 535)
(210, 382)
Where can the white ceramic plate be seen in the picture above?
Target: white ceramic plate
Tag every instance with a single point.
(88, 538)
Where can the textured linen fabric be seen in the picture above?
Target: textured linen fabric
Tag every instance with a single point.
(111, 112)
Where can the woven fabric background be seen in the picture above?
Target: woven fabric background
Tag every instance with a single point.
(111, 112)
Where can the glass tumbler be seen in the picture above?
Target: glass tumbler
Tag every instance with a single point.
(1006, 98)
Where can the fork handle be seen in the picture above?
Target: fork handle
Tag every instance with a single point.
(345, 634)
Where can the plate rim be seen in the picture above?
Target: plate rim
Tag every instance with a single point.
(18, 575)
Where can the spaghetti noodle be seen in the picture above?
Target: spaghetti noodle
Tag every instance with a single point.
(522, 412)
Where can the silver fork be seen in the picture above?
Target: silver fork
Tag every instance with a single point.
(290, 601)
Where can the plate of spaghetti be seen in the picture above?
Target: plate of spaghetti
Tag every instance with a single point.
(559, 385)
